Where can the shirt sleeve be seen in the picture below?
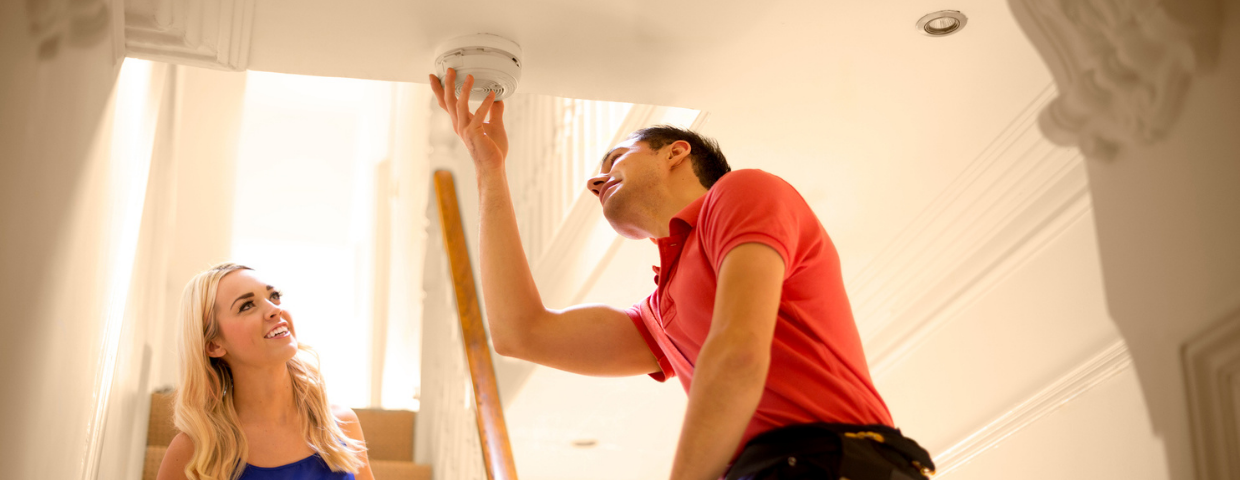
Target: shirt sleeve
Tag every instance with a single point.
(665, 366)
(752, 206)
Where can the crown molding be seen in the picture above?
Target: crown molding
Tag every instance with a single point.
(1013, 200)
(1212, 373)
(1106, 364)
(200, 33)
(1122, 66)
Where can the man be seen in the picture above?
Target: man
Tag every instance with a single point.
(749, 311)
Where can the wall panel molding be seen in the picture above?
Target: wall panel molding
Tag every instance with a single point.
(1111, 361)
(1015, 199)
(1123, 67)
(200, 33)
(1212, 371)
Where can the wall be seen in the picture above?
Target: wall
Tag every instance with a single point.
(185, 225)
(56, 93)
(1155, 111)
(85, 242)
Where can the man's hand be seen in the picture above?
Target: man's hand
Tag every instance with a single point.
(487, 142)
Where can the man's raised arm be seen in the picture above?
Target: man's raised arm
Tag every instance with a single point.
(587, 339)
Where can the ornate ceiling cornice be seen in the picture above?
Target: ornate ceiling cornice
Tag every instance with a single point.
(1122, 67)
(202, 33)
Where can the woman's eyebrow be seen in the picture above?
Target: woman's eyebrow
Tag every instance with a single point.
(249, 295)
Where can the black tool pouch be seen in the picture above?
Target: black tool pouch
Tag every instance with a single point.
(826, 450)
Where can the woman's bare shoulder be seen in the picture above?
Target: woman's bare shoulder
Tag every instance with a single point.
(343, 413)
(348, 422)
(176, 458)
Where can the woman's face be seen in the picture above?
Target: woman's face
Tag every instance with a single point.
(254, 330)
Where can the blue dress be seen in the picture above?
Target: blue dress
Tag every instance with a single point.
(309, 468)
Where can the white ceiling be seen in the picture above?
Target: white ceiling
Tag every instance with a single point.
(846, 100)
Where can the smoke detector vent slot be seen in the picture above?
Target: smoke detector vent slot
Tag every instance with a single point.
(494, 61)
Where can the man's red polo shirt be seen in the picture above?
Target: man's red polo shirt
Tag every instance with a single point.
(818, 371)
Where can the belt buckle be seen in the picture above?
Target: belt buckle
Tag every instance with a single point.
(875, 436)
(878, 437)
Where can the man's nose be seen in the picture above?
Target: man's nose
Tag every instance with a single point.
(595, 184)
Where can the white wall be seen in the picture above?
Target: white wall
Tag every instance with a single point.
(85, 238)
(1156, 110)
(55, 148)
(185, 227)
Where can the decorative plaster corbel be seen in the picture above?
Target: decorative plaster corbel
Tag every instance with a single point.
(202, 33)
(1122, 66)
(79, 24)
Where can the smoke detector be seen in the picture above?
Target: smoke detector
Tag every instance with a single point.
(494, 61)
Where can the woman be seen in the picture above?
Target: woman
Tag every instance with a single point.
(251, 403)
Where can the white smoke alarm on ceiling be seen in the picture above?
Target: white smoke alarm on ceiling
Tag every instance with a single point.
(494, 61)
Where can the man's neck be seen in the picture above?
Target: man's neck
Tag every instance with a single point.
(683, 193)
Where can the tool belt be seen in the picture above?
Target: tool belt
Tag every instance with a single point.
(852, 452)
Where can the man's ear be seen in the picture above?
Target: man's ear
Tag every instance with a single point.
(215, 350)
(679, 151)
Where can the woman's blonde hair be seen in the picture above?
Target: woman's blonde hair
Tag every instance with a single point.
(204, 400)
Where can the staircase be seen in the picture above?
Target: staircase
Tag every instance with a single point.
(389, 438)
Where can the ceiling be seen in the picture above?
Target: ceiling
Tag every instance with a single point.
(865, 116)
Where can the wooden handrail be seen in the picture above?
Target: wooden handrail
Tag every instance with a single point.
(492, 430)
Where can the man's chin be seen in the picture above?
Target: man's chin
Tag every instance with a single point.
(627, 230)
(621, 220)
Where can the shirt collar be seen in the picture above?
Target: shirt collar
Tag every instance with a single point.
(687, 218)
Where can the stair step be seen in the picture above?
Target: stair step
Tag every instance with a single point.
(390, 470)
(154, 456)
(389, 433)
(160, 430)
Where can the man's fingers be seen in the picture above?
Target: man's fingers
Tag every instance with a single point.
(438, 89)
(481, 114)
(497, 113)
(449, 89)
(462, 103)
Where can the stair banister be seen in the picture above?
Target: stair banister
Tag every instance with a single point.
(492, 431)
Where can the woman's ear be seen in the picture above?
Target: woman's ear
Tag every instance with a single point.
(215, 350)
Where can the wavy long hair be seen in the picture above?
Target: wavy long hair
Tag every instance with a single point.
(204, 407)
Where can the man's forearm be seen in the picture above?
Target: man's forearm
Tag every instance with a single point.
(508, 287)
(727, 387)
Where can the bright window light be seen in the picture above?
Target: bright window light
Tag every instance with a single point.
(303, 213)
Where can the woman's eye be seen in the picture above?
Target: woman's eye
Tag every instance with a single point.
(246, 306)
(276, 295)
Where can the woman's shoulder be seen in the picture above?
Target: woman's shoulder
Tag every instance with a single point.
(179, 452)
(347, 419)
(343, 413)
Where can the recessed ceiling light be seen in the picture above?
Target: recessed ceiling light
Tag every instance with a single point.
(942, 23)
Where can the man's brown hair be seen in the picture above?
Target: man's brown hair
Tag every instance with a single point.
(709, 163)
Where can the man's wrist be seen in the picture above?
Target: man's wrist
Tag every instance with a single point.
(490, 174)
